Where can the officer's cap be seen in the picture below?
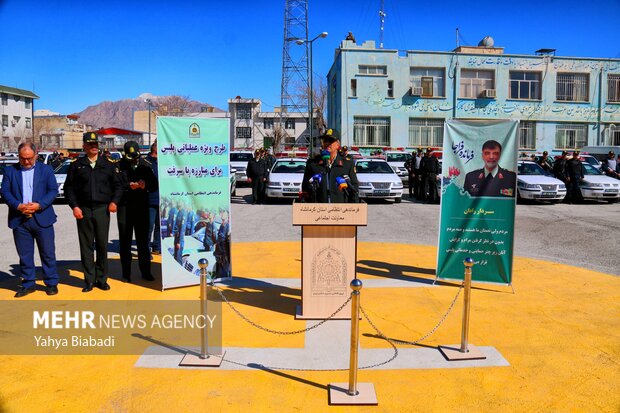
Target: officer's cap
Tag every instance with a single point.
(330, 135)
(89, 137)
(132, 150)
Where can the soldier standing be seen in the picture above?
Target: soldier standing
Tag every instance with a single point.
(256, 173)
(93, 190)
(133, 211)
(429, 167)
(574, 171)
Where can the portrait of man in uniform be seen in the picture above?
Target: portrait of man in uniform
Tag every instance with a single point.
(491, 180)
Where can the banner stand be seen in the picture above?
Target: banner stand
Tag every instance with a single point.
(204, 359)
(466, 351)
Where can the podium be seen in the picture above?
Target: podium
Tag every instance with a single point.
(328, 257)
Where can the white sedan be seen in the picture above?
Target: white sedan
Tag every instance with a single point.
(598, 186)
(377, 179)
(285, 178)
(534, 183)
(61, 176)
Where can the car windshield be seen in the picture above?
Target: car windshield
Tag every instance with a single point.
(368, 167)
(590, 170)
(398, 157)
(531, 169)
(62, 169)
(591, 160)
(290, 167)
(240, 157)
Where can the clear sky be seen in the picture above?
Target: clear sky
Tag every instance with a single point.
(76, 53)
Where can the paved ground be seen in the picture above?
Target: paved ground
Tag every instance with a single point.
(553, 346)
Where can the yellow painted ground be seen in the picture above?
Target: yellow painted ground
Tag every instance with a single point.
(560, 333)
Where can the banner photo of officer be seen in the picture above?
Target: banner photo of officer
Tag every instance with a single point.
(194, 187)
(478, 199)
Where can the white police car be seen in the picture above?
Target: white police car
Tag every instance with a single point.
(239, 162)
(397, 159)
(285, 178)
(534, 183)
(377, 179)
(598, 186)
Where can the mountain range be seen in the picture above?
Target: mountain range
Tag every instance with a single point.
(119, 114)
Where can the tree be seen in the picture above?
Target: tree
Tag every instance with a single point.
(172, 106)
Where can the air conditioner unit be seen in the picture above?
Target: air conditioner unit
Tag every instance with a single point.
(416, 91)
(488, 93)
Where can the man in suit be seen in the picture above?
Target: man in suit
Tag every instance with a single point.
(29, 189)
(327, 171)
(492, 180)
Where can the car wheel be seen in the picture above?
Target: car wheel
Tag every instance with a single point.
(398, 200)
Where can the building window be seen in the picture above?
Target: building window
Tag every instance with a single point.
(244, 111)
(527, 135)
(268, 123)
(613, 88)
(571, 135)
(372, 70)
(28, 123)
(431, 80)
(390, 89)
(28, 102)
(16, 120)
(572, 87)
(244, 133)
(371, 131)
(354, 88)
(426, 132)
(612, 135)
(5, 120)
(289, 124)
(16, 98)
(475, 82)
(525, 85)
(5, 99)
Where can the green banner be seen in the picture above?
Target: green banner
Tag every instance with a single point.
(194, 188)
(478, 199)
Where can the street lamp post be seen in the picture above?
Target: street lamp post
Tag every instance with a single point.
(310, 93)
(148, 102)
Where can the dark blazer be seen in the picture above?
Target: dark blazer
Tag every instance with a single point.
(86, 186)
(502, 185)
(340, 167)
(44, 191)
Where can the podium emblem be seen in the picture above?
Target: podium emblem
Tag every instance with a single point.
(329, 273)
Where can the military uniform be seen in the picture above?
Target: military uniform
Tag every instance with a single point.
(574, 171)
(484, 183)
(133, 213)
(92, 188)
(257, 172)
(327, 190)
(429, 168)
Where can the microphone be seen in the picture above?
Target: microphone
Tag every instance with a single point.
(315, 178)
(347, 178)
(325, 155)
(342, 183)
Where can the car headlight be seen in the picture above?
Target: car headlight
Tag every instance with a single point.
(397, 186)
(273, 183)
(532, 186)
(364, 185)
(594, 185)
(561, 186)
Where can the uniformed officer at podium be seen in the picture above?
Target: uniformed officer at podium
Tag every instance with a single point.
(329, 177)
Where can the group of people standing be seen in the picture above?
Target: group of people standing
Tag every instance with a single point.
(95, 188)
(569, 171)
(424, 172)
(258, 173)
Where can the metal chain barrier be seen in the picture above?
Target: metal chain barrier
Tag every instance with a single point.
(374, 327)
(269, 330)
(427, 335)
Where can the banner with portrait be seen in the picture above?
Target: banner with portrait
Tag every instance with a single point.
(479, 189)
(194, 187)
